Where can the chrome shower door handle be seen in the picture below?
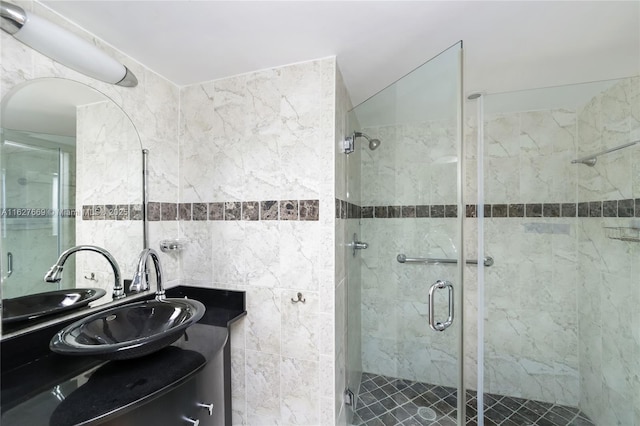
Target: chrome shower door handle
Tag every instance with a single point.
(9, 264)
(437, 325)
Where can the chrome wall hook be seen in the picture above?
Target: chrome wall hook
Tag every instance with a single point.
(91, 278)
(300, 299)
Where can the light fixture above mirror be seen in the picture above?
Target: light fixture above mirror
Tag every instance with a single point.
(63, 46)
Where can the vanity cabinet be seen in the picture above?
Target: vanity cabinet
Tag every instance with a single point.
(174, 386)
(197, 401)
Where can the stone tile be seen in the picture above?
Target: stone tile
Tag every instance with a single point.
(625, 208)
(450, 210)
(269, 210)
(499, 210)
(381, 212)
(135, 212)
(184, 211)
(610, 208)
(408, 211)
(581, 421)
(471, 210)
(168, 211)
(367, 212)
(98, 212)
(365, 398)
(423, 211)
(555, 418)
(86, 212)
(232, 210)
(491, 399)
(595, 209)
(153, 211)
(583, 209)
(110, 212)
(512, 403)
(122, 212)
(200, 211)
(540, 408)
(289, 210)
(395, 211)
(310, 210)
(368, 385)
(216, 211)
(378, 408)
(568, 210)
(437, 210)
(516, 210)
(250, 210)
(533, 210)
(551, 210)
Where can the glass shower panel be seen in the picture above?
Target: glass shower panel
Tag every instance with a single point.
(561, 340)
(404, 185)
(38, 207)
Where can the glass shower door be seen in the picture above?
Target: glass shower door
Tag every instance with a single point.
(36, 193)
(404, 281)
(561, 341)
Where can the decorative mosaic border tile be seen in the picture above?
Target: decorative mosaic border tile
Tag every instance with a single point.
(304, 210)
(612, 208)
(112, 212)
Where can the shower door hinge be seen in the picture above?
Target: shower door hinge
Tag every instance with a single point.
(348, 144)
(349, 398)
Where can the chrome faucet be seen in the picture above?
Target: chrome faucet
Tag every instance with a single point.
(140, 282)
(55, 273)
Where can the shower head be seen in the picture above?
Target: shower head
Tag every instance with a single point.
(349, 143)
(373, 144)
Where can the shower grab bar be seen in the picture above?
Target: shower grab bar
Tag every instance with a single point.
(590, 160)
(487, 261)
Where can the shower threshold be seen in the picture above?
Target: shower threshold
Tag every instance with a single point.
(387, 401)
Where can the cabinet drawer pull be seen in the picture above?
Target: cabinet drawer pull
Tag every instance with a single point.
(191, 421)
(208, 407)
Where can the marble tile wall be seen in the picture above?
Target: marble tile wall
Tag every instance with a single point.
(608, 295)
(152, 106)
(268, 135)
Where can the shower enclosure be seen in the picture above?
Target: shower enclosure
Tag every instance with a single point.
(38, 207)
(543, 317)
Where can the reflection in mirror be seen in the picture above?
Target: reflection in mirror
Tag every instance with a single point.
(71, 164)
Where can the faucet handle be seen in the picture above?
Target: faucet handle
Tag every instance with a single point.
(139, 283)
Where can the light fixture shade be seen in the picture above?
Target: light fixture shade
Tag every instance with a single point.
(68, 49)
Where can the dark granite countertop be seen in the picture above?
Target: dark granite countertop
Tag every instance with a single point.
(43, 388)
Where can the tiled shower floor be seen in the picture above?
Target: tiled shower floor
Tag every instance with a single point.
(385, 401)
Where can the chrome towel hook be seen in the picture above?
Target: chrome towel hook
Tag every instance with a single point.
(300, 299)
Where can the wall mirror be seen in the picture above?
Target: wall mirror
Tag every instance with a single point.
(71, 165)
